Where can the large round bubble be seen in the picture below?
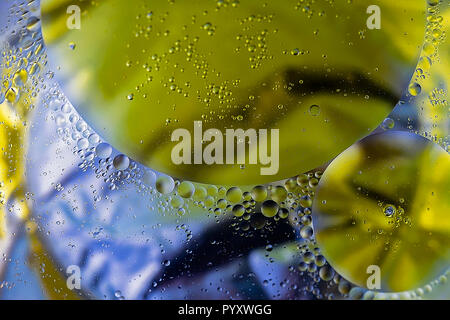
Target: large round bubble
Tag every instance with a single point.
(137, 72)
(383, 205)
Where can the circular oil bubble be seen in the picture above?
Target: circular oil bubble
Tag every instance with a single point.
(121, 162)
(385, 202)
(186, 189)
(103, 150)
(138, 72)
(269, 208)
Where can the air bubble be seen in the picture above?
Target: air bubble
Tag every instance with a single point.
(165, 184)
(234, 195)
(186, 189)
(269, 208)
(121, 162)
(314, 110)
(414, 89)
(103, 150)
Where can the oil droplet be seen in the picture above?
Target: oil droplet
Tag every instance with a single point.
(269, 208)
(165, 184)
(186, 189)
(306, 232)
(305, 201)
(121, 162)
(388, 123)
(424, 63)
(259, 193)
(238, 210)
(200, 193)
(326, 273)
(234, 195)
(414, 89)
(11, 95)
(428, 49)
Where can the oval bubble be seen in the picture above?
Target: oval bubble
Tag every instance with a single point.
(384, 202)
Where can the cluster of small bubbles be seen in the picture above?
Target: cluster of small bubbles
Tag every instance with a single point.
(255, 44)
(186, 47)
(433, 37)
(114, 168)
(226, 3)
(313, 265)
(261, 207)
(305, 201)
(438, 97)
(296, 195)
(276, 202)
(209, 28)
(395, 213)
